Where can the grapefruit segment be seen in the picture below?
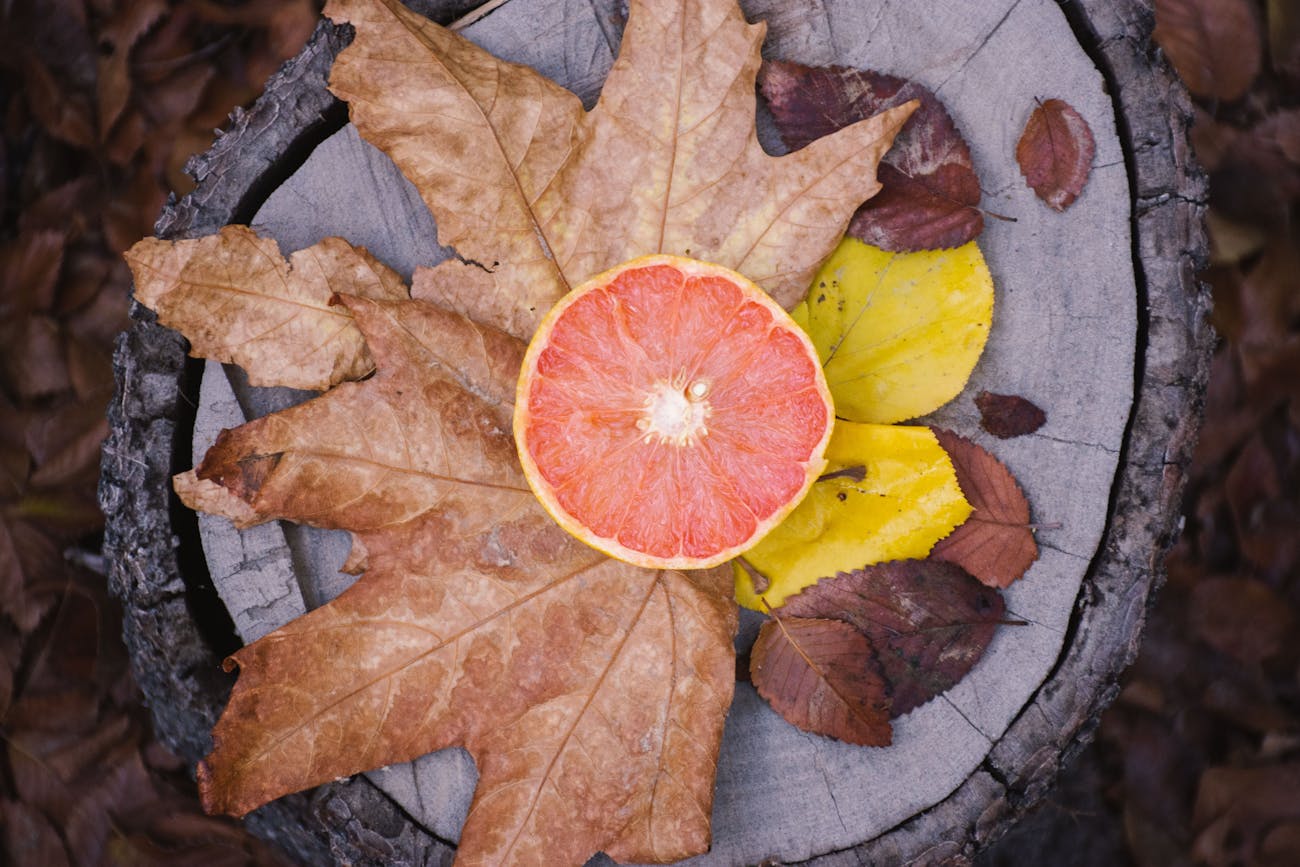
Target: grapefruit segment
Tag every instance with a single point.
(670, 413)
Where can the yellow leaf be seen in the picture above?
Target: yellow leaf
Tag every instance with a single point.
(906, 500)
(898, 333)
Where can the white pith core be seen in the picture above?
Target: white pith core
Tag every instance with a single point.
(676, 412)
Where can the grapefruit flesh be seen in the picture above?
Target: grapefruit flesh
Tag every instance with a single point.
(669, 413)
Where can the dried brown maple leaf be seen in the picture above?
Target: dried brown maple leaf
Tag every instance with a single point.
(929, 621)
(1055, 153)
(590, 693)
(238, 300)
(821, 676)
(541, 194)
(996, 543)
(1008, 415)
(930, 194)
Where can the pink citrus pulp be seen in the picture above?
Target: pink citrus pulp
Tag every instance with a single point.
(670, 413)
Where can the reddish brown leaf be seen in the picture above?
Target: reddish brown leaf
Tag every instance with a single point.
(929, 621)
(25, 553)
(1055, 153)
(29, 271)
(821, 676)
(1241, 617)
(1008, 415)
(1236, 808)
(1214, 44)
(29, 838)
(116, 39)
(32, 360)
(929, 197)
(63, 112)
(996, 544)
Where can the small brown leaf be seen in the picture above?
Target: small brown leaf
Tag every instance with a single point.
(28, 837)
(1242, 617)
(116, 39)
(1008, 415)
(930, 194)
(1055, 153)
(929, 621)
(820, 675)
(1214, 44)
(996, 544)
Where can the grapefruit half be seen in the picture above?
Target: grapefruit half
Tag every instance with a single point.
(670, 413)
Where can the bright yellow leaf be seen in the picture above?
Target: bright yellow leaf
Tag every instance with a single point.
(898, 333)
(906, 500)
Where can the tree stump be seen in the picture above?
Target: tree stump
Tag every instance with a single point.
(1099, 319)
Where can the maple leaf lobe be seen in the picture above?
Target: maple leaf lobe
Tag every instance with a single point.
(667, 162)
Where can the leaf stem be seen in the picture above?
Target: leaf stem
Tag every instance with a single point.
(856, 473)
(758, 579)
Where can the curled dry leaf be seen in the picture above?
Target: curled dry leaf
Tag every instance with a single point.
(1008, 415)
(929, 622)
(996, 544)
(238, 300)
(929, 197)
(1215, 45)
(541, 194)
(1055, 153)
(821, 676)
(591, 693)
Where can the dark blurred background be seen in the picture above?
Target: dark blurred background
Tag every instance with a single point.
(102, 102)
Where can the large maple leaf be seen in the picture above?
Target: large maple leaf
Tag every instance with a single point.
(540, 194)
(590, 693)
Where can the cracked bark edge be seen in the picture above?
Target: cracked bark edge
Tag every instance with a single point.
(1175, 342)
(177, 669)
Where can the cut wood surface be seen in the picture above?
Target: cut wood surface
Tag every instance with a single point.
(1071, 332)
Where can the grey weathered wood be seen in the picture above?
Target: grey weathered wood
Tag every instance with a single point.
(963, 764)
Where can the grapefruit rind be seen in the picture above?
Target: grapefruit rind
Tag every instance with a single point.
(812, 466)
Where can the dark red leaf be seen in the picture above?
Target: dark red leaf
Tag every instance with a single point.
(996, 544)
(1055, 153)
(1008, 415)
(929, 621)
(1241, 617)
(929, 198)
(28, 837)
(1214, 44)
(820, 675)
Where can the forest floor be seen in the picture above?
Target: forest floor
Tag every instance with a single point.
(102, 101)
